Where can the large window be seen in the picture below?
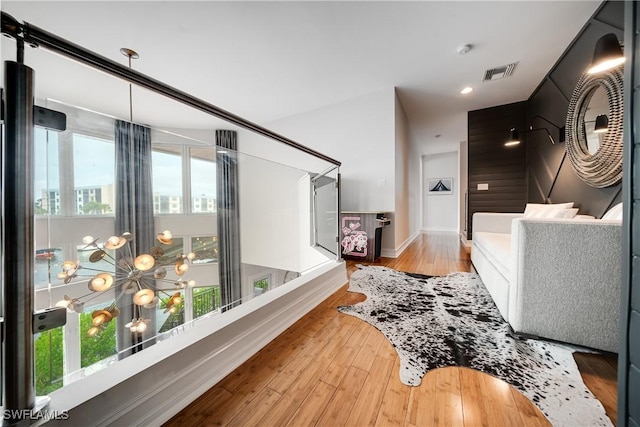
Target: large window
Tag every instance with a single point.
(203, 180)
(93, 175)
(167, 180)
(75, 206)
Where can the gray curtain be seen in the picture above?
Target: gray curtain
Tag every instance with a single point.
(133, 213)
(228, 219)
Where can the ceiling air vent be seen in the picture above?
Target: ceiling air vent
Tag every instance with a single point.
(499, 72)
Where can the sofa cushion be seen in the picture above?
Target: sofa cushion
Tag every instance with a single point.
(497, 248)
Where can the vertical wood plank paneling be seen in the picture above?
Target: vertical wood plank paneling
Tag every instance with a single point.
(490, 162)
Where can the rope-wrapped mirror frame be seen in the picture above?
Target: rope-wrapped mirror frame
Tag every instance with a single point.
(604, 167)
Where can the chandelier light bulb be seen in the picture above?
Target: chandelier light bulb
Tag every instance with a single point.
(63, 303)
(68, 265)
(144, 262)
(191, 256)
(101, 282)
(165, 237)
(115, 242)
(180, 267)
(98, 320)
(137, 325)
(93, 331)
(144, 296)
(142, 326)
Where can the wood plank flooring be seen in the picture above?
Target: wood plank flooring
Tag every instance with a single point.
(330, 369)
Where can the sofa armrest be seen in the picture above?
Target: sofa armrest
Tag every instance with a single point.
(565, 280)
(493, 222)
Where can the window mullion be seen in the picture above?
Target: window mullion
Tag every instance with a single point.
(186, 179)
(72, 356)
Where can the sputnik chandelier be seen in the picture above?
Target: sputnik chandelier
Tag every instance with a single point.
(135, 275)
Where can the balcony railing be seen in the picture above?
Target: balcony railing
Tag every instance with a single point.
(276, 214)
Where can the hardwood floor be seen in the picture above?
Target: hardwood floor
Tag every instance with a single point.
(331, 369)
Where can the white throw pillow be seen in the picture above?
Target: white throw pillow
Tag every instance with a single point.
(533, 210)
(615, 213)
(552, 213)
(584, 217)
(567, 213)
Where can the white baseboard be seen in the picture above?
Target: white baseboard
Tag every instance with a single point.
(160, 390)
(463, 239)
(395, 253)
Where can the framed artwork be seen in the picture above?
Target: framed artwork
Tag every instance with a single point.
(440, 186)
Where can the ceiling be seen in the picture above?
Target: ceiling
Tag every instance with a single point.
(269, 60)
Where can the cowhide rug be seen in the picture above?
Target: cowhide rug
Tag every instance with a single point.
(451, 320)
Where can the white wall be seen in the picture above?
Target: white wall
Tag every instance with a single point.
(269, 214)
(360, 133)
(275, 216)
(403, 231)
(440, 212)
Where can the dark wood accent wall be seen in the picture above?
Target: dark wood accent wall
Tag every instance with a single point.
(551, 177)
(490, 162)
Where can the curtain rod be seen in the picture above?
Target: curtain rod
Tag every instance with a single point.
(38, 37)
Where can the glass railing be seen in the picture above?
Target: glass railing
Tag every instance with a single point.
(280, 222)
(143, 231)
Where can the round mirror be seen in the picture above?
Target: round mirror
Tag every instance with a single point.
(596, 114)
(594, 128)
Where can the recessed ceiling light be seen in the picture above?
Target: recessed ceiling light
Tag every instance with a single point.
(466, 90)
(464, 49)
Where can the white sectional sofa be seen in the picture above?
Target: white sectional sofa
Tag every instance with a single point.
(554, 278)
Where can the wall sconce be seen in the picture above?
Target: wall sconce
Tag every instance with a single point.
(514, 135)
(602, 124)
(607, 54)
